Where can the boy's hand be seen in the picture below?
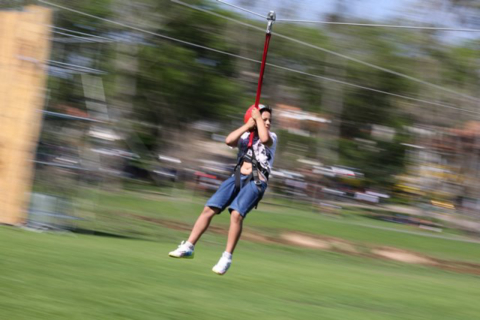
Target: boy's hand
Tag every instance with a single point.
(255, 114)
(251, 123)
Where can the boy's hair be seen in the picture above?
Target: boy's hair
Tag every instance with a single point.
(264, 107)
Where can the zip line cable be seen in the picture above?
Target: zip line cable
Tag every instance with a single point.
(374, 25)
(85, 39)
(354, 24)
(138, 29)
(269, 64)
(74, 40)
(372, 89)
(332, 52)
(243, 9)
(78, 32)
(77, 67)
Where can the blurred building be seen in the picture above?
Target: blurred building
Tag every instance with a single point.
(295, 120)
(444, 166)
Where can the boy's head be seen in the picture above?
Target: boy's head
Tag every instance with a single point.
(265, 111)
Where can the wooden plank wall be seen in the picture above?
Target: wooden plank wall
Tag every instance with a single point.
(24, 51)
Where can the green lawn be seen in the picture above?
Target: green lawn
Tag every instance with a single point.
(69, 276)
(114, 214)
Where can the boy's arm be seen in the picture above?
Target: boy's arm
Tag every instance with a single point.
(263, 134)
(232, 139)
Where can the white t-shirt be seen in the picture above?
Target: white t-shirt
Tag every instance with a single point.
(264, 155)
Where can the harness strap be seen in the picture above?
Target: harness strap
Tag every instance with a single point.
(249, 156)
(238, 183)
(256, 179)
(236, 172)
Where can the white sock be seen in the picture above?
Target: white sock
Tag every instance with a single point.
(227, 255)
(191, 246)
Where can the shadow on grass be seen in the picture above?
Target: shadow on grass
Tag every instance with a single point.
(103, 234)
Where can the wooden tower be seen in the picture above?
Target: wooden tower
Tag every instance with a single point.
(24, 51)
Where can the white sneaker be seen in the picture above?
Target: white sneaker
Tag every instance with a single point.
(185, 250)
(223, 264)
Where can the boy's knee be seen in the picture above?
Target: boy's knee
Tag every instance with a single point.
(208, 211)
(235, 216)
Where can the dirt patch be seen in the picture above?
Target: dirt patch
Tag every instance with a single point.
(403, 256)
(305, 241)
(317, 242)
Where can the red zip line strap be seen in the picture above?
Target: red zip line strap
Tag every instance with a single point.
(260, 81)
(262, 69)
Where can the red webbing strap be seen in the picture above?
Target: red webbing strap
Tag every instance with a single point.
(260, 81)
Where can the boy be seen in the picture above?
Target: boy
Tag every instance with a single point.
(243, 190)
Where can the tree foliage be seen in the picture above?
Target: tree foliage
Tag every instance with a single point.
(177, 83)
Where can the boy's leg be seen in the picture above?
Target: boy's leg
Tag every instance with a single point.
(235, 231)
(186, 248)
(247, 198)
(244, 202)
(221, 199)
(202, 223)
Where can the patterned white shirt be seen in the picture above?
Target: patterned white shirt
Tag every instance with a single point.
(264, 155)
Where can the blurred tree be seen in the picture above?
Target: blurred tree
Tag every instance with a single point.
(362, 110)
(177, 84)
(466, 12)
(72, 51)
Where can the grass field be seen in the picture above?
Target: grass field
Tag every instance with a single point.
(273, 219)
(75, 276)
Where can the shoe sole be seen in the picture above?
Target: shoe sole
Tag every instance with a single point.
(181, 257)
(219, 273)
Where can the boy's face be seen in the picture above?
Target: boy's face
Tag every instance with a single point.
(267, 119)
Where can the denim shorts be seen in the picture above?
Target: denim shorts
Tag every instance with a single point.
(242, 200)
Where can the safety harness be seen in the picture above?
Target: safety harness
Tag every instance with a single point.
(249, 157)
